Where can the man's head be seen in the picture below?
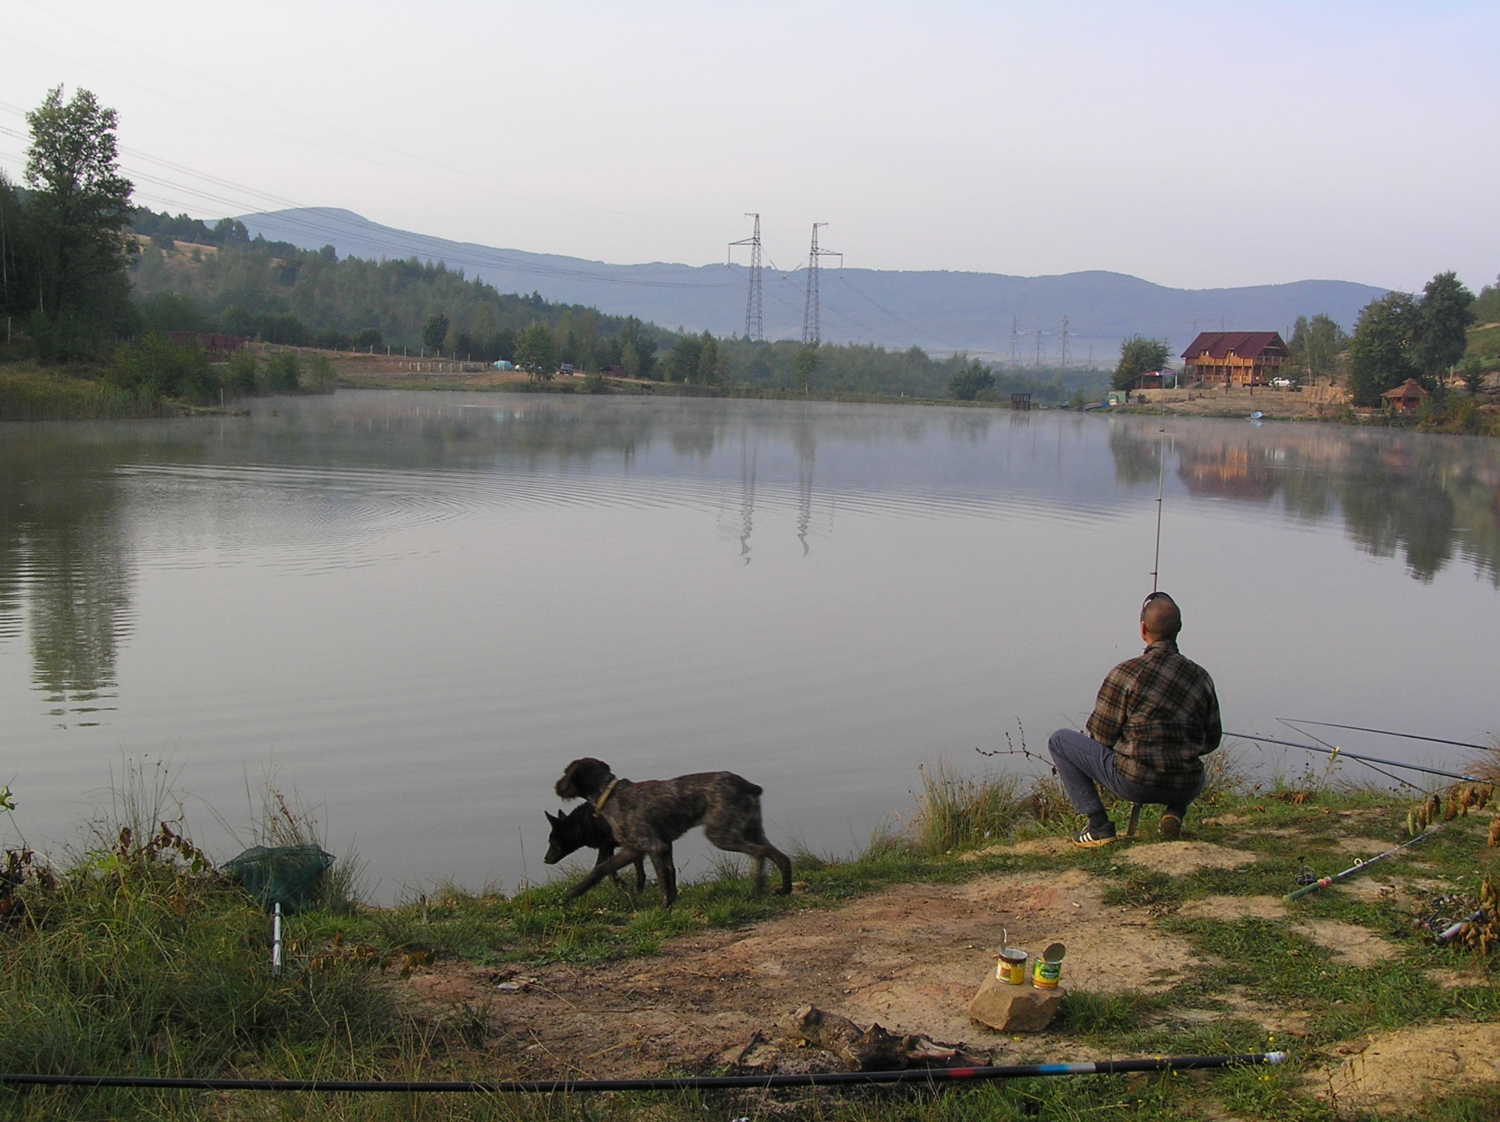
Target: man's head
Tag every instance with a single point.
(1160, 618)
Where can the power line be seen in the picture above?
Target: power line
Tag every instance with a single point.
(753, 317)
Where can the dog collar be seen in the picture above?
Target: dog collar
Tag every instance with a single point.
(604, 798)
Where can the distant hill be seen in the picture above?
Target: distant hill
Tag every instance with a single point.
(938, 311)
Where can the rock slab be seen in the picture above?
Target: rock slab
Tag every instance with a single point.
(1008, 1008)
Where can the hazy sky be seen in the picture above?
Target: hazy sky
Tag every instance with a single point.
(1195, 144)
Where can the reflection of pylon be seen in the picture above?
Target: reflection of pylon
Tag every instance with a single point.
(754, 330)
(811, 328)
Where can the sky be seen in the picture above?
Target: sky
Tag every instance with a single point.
(1195, 144)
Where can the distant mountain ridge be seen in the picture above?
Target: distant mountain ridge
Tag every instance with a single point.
(938, 311)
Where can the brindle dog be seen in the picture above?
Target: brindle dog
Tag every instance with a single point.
(647, 817)
(582, 826)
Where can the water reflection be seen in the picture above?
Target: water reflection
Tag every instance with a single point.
(1424, 498)
(65, 573)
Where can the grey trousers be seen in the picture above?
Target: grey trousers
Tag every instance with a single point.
(1083, 762)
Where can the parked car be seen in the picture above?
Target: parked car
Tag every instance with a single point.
(1283, 383)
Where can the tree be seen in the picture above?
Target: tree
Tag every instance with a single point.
(682, 359)
(1139, 355)
(966, 384)
(1380, 349)
(804, 365)
(708, 361)
(78, 218)
(1444, 315)
(536, 352)
(435, 330)
(1322, 343)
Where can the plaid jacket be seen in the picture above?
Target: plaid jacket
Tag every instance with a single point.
(1159, 713)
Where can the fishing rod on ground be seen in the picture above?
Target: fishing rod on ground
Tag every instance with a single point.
(684, 1083)
(1341, 754)
(1388, 732)
(1358, 866)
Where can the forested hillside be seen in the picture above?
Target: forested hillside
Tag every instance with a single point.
(223, 280)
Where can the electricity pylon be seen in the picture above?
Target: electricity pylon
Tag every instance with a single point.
(754, 324)
(811, 328)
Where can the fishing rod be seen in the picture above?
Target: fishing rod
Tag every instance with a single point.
(1339, 752)
(1161, 481)
(1387, 732)
(684, 1083)
(1372, 767)
(1450, 933)
(1324, 882)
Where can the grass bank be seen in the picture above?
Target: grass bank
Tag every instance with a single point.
(134, 956)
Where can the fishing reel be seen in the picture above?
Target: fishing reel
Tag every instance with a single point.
(1305, 875)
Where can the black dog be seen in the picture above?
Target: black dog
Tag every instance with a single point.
(582, 827)
(647, 817)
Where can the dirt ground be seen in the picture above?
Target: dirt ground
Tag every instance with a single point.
(1413, 1065)
(909, 958)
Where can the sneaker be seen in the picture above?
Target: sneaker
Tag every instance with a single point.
(1169, 828)
(1092, 837)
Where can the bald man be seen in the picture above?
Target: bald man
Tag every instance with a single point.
(1156, 716)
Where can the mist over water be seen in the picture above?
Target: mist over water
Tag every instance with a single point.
(413, 610)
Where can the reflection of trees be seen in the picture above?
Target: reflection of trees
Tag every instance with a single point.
(62, 562)
(1424, 497)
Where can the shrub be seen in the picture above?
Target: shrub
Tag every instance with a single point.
(284, 373)
(155, 367)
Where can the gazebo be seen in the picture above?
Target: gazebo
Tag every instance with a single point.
(1406, 397)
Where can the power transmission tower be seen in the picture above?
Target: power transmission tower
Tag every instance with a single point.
(811, 328)
(1062, 355)
(1039, 346)
(754, 329)
(1015, 354)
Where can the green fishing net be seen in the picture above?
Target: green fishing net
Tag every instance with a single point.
(283, 874)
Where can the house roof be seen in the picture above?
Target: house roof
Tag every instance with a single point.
(1409, 388)
(1245, 344)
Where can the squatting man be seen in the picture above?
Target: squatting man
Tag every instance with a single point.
(1156, 716)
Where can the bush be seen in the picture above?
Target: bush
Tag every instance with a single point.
(243, 377)
(284, 373)
(155, 367)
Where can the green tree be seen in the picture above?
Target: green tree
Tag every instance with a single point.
(284, 373)
(1323, 342)
(1444, 315)
(156, 367)
(707, 373)
(1380, 348)
(435, 330)
(536, 352)
(78, 216)
(966, 384)
(1472, 371)
(1138, 355)
(682, 359)
(803, 365)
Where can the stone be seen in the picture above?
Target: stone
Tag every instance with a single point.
(1008, 1008)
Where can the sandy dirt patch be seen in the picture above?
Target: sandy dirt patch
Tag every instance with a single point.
(1176, 858)
(1350, 944)
(910, 957)
(1227, 909)
(1031, 847)
(1401, 1068)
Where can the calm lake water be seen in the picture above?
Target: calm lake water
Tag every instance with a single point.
(412, 610)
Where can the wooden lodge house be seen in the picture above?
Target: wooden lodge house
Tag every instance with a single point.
(1234, 358)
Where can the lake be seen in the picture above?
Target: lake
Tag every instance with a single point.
(409, 611)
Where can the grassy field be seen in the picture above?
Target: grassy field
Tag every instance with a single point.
(137, 958)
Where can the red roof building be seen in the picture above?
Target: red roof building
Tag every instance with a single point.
(1235, 358)
(1406, 397)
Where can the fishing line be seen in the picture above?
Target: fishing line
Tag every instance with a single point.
(685, 1083)
(1339, 752)
(1388, 732)
(1335, 748)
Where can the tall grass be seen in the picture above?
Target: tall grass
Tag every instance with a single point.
(955, 811)
(31, 394)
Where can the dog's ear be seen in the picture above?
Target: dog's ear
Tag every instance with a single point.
(553, 818)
